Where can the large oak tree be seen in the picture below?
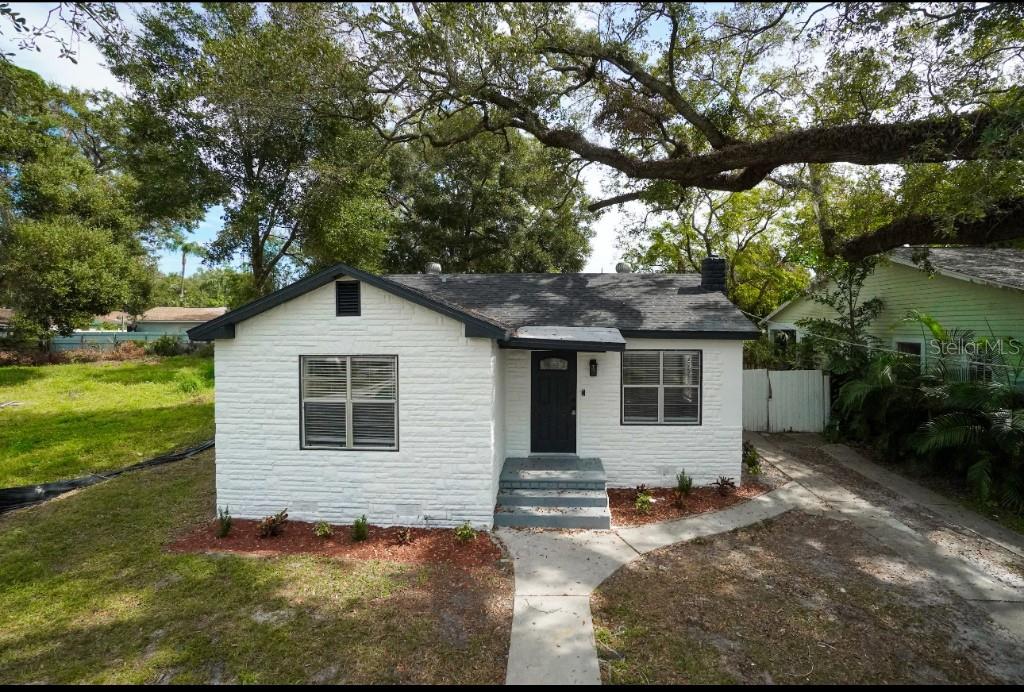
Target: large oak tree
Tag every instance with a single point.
(676, 95)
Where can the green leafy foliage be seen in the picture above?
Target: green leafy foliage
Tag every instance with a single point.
(942, 418)
(684, 483)
(842, 344)
(322, 530)
(223, 522)
(751, 458)
(464, 532)
(256, 109)
(73, 227)
(165, 345)
(360, 529)
(496, 203)
(643, 503)
(759, 233)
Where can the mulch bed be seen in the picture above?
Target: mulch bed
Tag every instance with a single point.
(664, 508)
(296, 537)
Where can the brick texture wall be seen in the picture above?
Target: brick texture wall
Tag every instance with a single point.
(443, 473)
(648, 454)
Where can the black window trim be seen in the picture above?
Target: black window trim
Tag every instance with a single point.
(700, 388)
(302, 442)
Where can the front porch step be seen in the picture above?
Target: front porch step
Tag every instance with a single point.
(552, 492)
(554, 517)
(530, 497)
(552, 473)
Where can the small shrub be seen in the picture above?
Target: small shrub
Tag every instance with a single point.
(360, 529)
(725, 485)
(751, 459)
(129, 350)
(322, 530)
(223, 522)
(644, 503)
(405, 536)
(166, 345)
(465, 532)
(272, 525)
(684, 484)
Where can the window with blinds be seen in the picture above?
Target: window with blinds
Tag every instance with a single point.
(661, 387)
(349, 402)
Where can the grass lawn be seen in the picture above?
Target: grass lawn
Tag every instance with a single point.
(78, 418)
(799, 599)
(89, 595)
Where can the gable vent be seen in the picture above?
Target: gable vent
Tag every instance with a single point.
(347, 298)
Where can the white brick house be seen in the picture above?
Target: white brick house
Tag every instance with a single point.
(401, 397)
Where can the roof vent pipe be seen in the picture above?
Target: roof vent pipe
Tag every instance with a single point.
(623, 268)
(433, 267)
(712, 273)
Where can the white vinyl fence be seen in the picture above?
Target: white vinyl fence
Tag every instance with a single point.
(785, 400)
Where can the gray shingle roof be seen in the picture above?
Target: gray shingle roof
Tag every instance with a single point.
(1001, 266)
(628, 302)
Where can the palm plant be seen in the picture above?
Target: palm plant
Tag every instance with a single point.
(981, 427)
(885, 403)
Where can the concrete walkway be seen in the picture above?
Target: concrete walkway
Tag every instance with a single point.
(556, 572)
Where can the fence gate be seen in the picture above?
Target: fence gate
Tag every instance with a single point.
(785, 400)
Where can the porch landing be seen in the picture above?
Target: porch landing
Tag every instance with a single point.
(556, 492)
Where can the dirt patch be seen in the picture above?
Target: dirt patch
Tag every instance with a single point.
(949, 538)
(424, 546)
(665, 508)
(800, 599)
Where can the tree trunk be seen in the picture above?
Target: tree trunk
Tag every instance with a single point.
(181, 286)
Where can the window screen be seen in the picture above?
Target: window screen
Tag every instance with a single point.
(349, 402)
(661, 387)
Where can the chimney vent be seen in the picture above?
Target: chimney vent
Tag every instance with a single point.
(433, 267)
(712, 273)
(623, 268)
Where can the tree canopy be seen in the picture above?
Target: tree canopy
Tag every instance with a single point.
(72, 229)
(495, 203)
(681, 95)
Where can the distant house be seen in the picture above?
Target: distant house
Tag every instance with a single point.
(6, 315)
(176, 321)
(969, 288)
(119, 318)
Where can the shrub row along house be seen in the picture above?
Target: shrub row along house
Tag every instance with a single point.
(974, 291)
(428, 398)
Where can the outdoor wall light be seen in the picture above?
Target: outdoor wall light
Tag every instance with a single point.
(593, 367)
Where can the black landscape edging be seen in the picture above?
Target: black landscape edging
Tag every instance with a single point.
(27, 495)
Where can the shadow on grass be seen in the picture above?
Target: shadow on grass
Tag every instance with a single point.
(90, 596)
(133, 372)
(13, 375)
(42, 447)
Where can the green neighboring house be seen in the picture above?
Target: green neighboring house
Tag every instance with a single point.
(969, 288)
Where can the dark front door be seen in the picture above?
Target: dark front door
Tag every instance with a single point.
(553, 407)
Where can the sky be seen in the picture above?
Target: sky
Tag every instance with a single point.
(90, 73)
